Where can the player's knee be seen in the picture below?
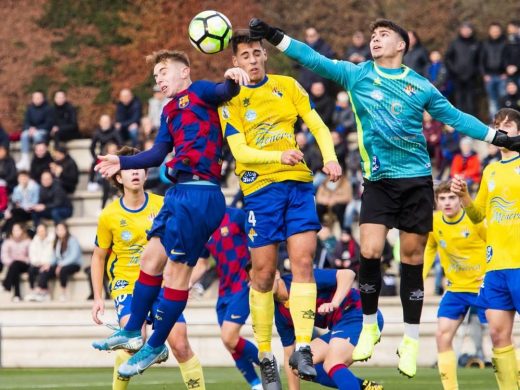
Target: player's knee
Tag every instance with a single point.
(371, 251)
(443, 338)
(499, 336)
(264, 279)
(181, 348)
(230, 340)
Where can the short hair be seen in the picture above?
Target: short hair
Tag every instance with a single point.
(242, 36)
(394, 27)
(443, 188)
(164, 55)
(124, 151)
(23, 172)
(509, 115)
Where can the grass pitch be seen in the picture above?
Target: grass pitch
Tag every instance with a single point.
(221, 379)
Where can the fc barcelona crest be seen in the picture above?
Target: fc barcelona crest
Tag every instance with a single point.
(184, 101)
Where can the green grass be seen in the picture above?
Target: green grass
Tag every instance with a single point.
(220, 379)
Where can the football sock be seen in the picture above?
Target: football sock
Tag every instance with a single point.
(369, 284)
(192, 374)
(411, 330)
(171, 306)
(506, 370)
(412, 292)
(146, 289)
(322, 377)
(262, 313)
(119, 383)
(302, 305)
(518, 365)
(243, 360)
(344, 378)
(447, 364)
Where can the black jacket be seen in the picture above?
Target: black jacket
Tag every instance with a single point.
(325, 107)
(359, 50)
(417, 59)
(38, 116)
(492, 56)
(65, 118)
(54, 196)
(70, 175)
(38, 165)
(104, 137)
(462, 58)
(8, 172)
(128, 114)
(511, 101)
(307, 76)
(512, 52)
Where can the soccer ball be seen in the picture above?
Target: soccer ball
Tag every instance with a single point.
(210, 32)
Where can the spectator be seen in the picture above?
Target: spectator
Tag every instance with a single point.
(432, 131)
(109, 191)
(512, 52)
(467, 164)
(325, 248)
(64, 169)
(65, 121)
(308, 77)
(312, 157)
(449, 147)
(147, 132)
(8, 170)
(128, 116)
(332, 198)
(417, 55)
(65, 263)
(512, 96)
(438, 74)
(4, 198)
(41, 161)
(41, 254)
(53, 202)
(323, 103)
(346, 252)
(155, 106)
(343, 120)
(24, 198)
(4, 137)
(359, 51)
(15, 255)
(493, 67)
(104, 134)
(492, 155)
(36, 126)
(462, 61)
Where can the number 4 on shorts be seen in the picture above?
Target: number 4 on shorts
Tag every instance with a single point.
(251, 218)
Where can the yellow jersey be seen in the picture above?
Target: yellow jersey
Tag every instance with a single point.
(498, 201)
(461, 246)
(123, 232)
(261, 119)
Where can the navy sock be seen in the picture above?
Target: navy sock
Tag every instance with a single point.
(145, 292)
(243, 360)
(322, 378)
(170, 307)
(344, 378)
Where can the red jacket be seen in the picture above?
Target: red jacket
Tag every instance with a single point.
(468, 167)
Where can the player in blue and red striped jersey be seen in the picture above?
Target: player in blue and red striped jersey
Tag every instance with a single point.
(228, 247)
(338, 309)
(193, 207)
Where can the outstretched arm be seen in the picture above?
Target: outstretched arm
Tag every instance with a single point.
(344, 280)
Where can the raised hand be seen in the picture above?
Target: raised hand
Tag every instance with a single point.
(108, 166)
(238, 75)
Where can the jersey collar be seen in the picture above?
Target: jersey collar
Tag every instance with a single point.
(455, 220)
(258, 84)
(137, 210)
(395, 74)
(511, 159)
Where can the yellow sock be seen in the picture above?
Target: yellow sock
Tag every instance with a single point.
(117, 382)
(518, 365)
(262, 314)
(302, 304)
(506, 371)
(192, 374)
(447, 364)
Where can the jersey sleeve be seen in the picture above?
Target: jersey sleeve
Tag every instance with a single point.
(429, 254)
(163, 135)
(441, 109)
(215, 93)
(477, 209)
(103, 233)
(325, 278)
(342, 72)
(285, 330)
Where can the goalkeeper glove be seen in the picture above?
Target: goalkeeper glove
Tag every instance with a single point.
(258, 29)
(502, 140)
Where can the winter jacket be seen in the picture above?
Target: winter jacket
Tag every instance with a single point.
(466, 166)
(71, 255)
(492, 56)
(54, 196)
(40, 164)
(41, 252)
(128, 114)
(104, 137)
(27, 197)
(417, 59)
(38, 116)
(462, 58)
(8, 172)
(15, 250)
(70, 175)
(65, 118)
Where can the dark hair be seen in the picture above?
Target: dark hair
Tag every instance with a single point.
(394, 27)
(165, 55)
(64, 240)
(416, 36)
(124, 151)
(495, 23)
(443, 188)
(242, 36)
(508, 114)
(61, 149)
(23, 172)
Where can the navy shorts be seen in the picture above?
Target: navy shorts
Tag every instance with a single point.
(233, 308)
(190, 214)
(455, 305)
(279, 211)
(500, 290)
